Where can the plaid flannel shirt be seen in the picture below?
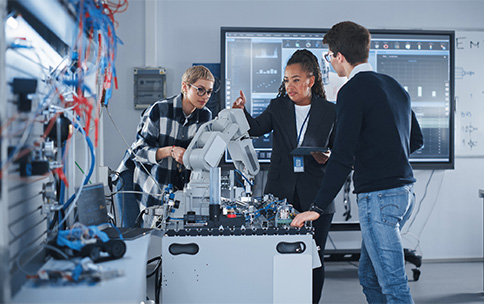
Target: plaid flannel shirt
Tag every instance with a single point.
(163, 124)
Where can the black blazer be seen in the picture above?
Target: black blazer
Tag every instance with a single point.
(279, 117)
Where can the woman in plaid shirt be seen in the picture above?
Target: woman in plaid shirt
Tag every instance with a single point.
(155, 159)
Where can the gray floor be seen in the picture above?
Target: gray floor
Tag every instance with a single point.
(449, 282)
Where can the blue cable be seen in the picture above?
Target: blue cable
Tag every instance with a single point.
(99, 22)
(239, 181)
(250, 183)
(93, 156)
(93, 161)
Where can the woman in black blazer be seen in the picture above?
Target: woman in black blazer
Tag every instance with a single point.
(299, 116)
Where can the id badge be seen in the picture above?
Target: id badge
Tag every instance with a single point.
(298, 163)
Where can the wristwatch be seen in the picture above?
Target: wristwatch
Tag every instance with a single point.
(316, 209)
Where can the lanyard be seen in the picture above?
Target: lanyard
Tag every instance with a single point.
(302, 126)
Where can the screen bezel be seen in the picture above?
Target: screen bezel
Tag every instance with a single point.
(416, 164)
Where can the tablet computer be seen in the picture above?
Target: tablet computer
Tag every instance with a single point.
(307, 150)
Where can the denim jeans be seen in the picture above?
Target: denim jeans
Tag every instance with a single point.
(126, 203)
(382, 263)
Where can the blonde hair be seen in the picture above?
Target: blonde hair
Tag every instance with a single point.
(195, 73)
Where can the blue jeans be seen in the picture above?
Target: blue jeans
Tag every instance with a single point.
(382, 262)
(126, 203)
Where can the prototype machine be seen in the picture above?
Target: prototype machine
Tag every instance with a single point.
(200, 202)
(230, 250)
(228, 131)
(200, 205)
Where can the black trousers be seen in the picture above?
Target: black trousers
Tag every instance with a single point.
(321, 230)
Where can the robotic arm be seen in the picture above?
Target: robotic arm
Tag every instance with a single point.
(228, 130)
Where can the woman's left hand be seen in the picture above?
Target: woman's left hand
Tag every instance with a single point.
(321, 157)
(177, 154)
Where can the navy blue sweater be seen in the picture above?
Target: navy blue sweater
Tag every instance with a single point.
(375, 134)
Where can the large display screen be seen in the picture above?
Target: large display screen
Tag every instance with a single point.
(253, 60)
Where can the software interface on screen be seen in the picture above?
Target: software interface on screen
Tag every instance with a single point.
(421, 62)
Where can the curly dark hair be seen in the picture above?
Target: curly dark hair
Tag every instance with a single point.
(309, 63)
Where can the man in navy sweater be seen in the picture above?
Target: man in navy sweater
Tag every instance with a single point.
(375, 134)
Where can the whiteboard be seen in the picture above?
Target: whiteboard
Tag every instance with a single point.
(469, 93)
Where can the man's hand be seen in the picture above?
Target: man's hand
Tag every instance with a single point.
(301, 218)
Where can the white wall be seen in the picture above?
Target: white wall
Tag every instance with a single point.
(450, 222)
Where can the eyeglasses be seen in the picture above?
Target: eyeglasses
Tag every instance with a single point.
(329, 57)
(202, 91)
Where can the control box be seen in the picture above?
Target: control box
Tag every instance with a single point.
(149, 86)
